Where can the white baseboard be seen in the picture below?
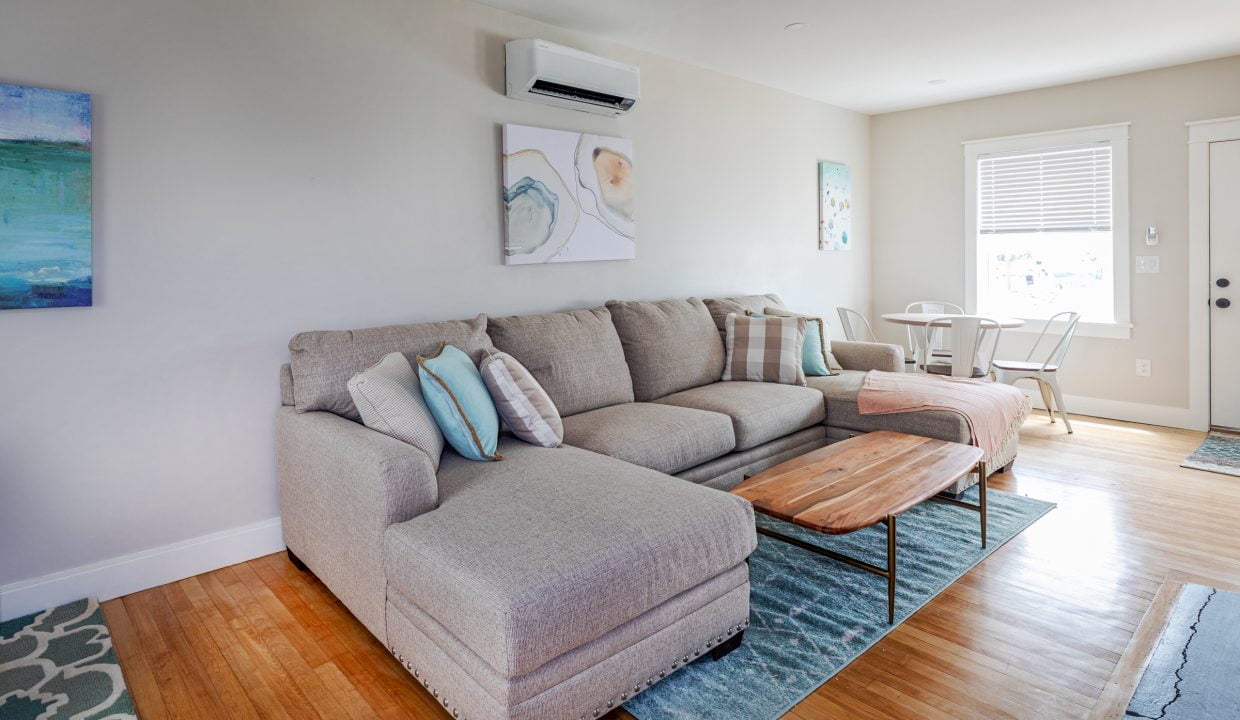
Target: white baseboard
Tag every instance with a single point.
(141, 570)
(1164, 415)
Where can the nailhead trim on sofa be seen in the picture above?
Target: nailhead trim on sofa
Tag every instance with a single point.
(600, 710)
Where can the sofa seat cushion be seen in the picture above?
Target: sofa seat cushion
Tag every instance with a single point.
(760, 412)
(660, 437)
(534, 556)
(841, 395)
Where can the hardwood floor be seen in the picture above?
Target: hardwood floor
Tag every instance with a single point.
(1033, 632)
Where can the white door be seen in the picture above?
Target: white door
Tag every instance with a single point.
(1225, 284)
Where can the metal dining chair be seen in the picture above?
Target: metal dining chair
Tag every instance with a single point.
(1046, 373)
(933, 337)
(852, 321)
(967, 340)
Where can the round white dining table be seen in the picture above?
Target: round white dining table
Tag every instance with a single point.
(909, 318)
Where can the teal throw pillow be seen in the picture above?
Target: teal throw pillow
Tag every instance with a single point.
(813, 359)
(460, 403)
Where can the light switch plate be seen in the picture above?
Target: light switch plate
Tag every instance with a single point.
(1144, 368)
(1147, 264)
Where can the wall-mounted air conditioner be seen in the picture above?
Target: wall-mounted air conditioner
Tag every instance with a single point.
(552, 74)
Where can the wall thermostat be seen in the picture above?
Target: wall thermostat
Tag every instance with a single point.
(1151, 235)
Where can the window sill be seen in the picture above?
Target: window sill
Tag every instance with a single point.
(1113, 331)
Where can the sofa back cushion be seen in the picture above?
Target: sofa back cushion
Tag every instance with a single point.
(324, 361)
(669, 345)
(286, 385)
(720, 307)
(576, 356)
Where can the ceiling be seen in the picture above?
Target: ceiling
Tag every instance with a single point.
(882, 55)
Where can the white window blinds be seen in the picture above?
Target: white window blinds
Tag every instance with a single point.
(1065, 189)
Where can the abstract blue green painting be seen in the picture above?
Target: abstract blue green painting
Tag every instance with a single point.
(45, 198)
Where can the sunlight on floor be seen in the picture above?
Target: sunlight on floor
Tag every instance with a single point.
(1083, 421)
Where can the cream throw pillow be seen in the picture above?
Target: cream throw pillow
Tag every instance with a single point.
(388, 396)
(764, 349)
(522, 403)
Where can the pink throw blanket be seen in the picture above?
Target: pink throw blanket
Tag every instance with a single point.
(994, 412)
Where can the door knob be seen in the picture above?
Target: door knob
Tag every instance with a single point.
(1222, 282)
(1223, 303)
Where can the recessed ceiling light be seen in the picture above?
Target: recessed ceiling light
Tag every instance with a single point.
(937, 81)
(795, 26)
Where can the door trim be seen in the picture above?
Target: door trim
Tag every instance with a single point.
(1200, 134)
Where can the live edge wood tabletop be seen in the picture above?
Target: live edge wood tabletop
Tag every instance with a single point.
(859, 482)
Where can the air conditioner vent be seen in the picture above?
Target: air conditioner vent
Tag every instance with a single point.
(551, 74)
(567, 92)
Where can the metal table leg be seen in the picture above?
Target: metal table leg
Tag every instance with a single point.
(888, 572)
(981, 473)
(980, 507)
(891, 569)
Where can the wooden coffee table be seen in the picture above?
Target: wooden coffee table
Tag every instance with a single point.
(860, 482)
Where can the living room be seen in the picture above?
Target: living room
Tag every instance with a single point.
(220, 222)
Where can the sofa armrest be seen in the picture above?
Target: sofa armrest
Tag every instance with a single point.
(868, 355)
(341, 486)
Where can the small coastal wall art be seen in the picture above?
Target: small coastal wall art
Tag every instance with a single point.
(45, 198)
(834, 206)
(568, 197)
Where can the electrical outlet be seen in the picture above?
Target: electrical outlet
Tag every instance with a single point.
(1147, 264)
(1144, 368)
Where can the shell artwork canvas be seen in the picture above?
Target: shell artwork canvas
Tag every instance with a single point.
(568, 197)
(834, 206)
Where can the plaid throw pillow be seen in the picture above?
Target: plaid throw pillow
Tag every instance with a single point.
(764, 349)
(833, 365)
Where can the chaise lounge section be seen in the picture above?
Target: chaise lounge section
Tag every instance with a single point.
(556, 583)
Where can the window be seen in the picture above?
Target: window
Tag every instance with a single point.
(1046, 227)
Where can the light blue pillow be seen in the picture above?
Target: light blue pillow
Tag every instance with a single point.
(460, 403)
(813, 359)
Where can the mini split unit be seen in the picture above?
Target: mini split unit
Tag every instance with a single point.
(551, 74)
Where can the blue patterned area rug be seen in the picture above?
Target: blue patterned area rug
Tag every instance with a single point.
(810, 616)
(1191, 674)
(1220, 453)
(59, 664)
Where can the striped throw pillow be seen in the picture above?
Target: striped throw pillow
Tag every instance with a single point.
(389, 398)
(522, 403)
(765, 349)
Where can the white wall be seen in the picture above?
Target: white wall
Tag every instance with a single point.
(918, 211)
(263, 168)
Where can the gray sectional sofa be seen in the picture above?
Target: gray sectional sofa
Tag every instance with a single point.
(558, 583)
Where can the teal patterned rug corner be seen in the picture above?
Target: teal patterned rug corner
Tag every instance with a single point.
(811, 616)
(59, 664)
(1191, 674)
(1219, 452)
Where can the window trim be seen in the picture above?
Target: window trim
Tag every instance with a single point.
(1117, 135)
